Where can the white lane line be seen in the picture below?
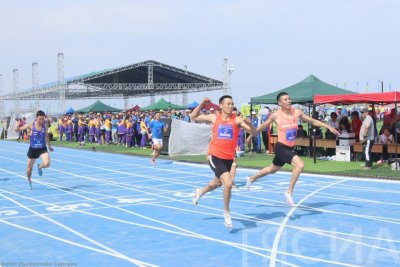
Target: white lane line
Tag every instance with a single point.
(120, 255)
(286, 174)
(286, 219)
(114, 184)
(351, 241)
(150, 177)
(196, 235)
(67, 241)
(202, 166)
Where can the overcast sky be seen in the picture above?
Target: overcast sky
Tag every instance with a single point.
(272, 44)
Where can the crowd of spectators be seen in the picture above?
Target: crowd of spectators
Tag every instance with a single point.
(131, 128)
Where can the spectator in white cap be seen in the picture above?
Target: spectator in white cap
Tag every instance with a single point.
(212, 111)
(339, 112)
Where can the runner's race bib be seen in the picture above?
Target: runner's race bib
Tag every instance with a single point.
(225, 132)
(36, 141)
(291, 135)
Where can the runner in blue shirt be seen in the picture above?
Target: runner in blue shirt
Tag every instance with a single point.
(157, 128)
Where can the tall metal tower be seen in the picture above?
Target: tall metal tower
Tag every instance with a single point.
(228, 70)
(61, 79)
(35, 84)
(1, 97)
(151, 84)
(185, 95)
(126, 103)
(16, 89)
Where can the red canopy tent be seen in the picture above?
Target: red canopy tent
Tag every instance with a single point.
(211, 105)
(135, 108)
(371, 98)
(348, 99)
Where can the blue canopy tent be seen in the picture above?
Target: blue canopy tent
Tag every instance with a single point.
(192, 105)
(69, 111)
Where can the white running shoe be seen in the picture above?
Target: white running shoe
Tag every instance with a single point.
(248, 182)
(227, 218)
(234, 187)
(289, 199)
(197, 196)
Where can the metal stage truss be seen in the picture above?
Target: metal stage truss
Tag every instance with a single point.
(146, 78)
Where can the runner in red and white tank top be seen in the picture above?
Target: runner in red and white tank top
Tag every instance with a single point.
(224, 138)
(222, 148)
(286, 118)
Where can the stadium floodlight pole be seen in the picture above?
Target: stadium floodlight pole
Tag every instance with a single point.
(2, 115)
(15, 90)
(126, 103)
(228, 70)
(150, 83)
(35, 85)
(61, 80)
(185, 94)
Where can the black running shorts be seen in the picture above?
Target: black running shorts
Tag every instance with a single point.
(219, 166)
(283, 154)
(34, 153)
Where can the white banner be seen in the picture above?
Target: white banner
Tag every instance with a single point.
(188, 138)
(11, 133)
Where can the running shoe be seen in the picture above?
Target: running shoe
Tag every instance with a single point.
(196, 196)
(248, 182)
(227, 219)
(289, 199)
(39, 170)
(234, 187)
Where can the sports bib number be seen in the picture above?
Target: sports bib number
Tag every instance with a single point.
(225, 132)
(291, 135)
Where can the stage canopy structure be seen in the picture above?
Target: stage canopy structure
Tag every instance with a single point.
(137, 80)
(302, 92)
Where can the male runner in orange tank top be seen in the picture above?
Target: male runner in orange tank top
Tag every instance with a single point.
(286, 118)
(222, 148)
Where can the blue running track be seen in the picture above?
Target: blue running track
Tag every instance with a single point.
(98, 209)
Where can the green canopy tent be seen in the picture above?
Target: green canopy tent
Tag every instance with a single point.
(302, 92)
(98, 106)
(164, 105)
